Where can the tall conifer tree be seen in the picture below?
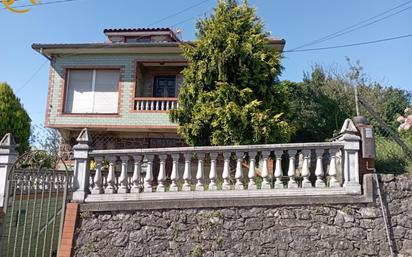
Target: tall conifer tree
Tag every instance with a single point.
(231, 94)
(14, 118)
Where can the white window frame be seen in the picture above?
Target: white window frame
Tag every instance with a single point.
(94, 72)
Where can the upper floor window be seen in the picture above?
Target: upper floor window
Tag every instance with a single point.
(92, 91)
(165, 86)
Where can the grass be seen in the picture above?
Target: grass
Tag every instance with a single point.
(390, 157)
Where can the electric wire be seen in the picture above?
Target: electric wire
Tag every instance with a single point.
(74, 54)
(349, 45)
(354, 26)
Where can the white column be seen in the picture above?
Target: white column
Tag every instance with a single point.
(98, 181)
(305, 169)
(175, 173)
(225, 173)
(81, 172)
(200, 172)
(137, 168)
(333, 182)
(162, 173)
(212, 173)
(187, 176)
(111, 177)
(252, 171)
(319, 169)
(278, 169)
(292, 169)
(265, 170)
(149, 174)
(351, 142)
(152, 105)
(123, 183)
(239, 173)
(8, 156)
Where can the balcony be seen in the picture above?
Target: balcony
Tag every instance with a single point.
(157, 104)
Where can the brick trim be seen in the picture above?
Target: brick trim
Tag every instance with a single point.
(174, 127)
(63, 86)
(67, 239)
(135, 66)
(50, 91)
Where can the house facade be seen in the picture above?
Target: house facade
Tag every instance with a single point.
(121, 90)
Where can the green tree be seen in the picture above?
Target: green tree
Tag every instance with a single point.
(325, 98)
(231, 94)
(14, 118)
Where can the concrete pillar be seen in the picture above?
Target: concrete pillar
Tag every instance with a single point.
(350, 157)
(81, 166)
(8, 156)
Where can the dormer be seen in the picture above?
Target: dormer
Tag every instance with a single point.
(141, 35)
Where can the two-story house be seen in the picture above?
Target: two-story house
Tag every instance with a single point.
(120, 90)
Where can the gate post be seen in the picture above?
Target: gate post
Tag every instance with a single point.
(350, 157)
(81, 166)
(8, 156)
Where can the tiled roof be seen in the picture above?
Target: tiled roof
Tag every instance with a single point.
(136, 30)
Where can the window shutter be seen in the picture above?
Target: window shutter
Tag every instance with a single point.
(79, 93)
(106, 91)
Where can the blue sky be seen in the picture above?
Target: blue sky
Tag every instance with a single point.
(296, 21)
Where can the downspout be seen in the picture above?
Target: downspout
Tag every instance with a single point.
(384, 213)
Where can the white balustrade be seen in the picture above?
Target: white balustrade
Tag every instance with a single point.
(319, 168)
(174, 177)
(292, 169)
(137, 169)
(278, 169)
(155, 104)
(225, 163)
(252, 171)
(213, 172)
(98, 180)
(162, 173)
(216, 170)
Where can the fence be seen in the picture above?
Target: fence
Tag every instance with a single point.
(180, 173)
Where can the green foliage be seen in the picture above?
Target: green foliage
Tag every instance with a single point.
(325, 98)
(390, 157)
(14, 118)
(46, 139)
(230, 94)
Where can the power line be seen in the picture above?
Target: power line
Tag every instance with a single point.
(45, 3)
(73, 54)
(191, 18)
(365, 25)
(32, 76)
(180, 12)
(348, 45)
(354, 26)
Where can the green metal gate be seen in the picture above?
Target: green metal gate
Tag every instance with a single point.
(35, 206)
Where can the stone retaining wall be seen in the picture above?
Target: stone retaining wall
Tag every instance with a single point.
(312, 230)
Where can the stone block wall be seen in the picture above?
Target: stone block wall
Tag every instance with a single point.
(310, 230)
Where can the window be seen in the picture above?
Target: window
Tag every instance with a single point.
(92, 91)
(165, 86)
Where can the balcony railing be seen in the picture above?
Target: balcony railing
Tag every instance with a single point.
(155, 103)
(329, 168)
